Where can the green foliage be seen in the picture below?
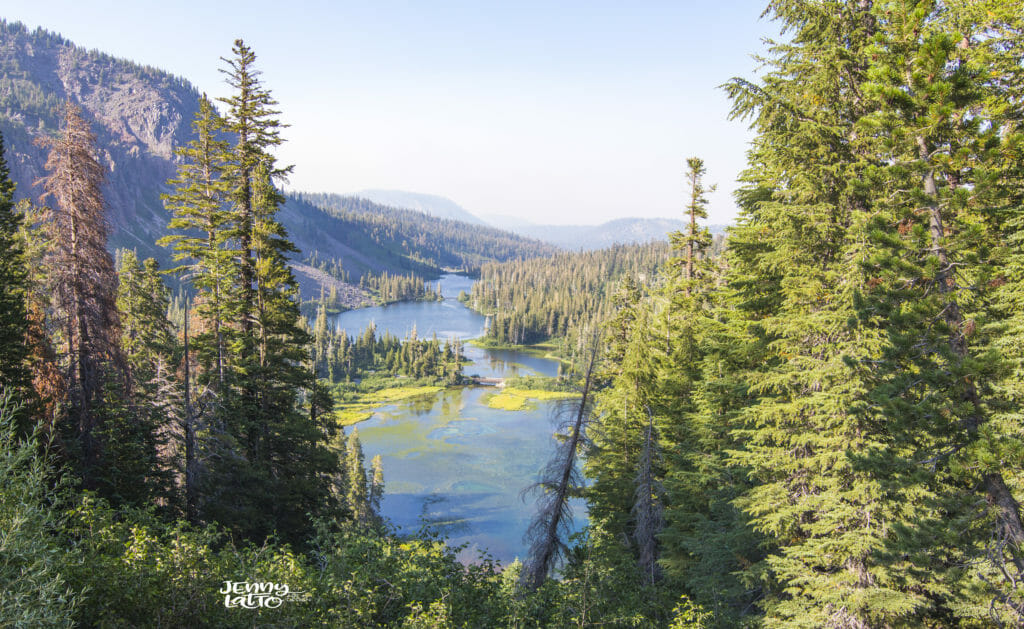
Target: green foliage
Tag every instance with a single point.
(34, 588)
(265, 423)
(940, 85)
(541, 298)
(339, 357)
(145, 424)
(201, 234)
(821, 426)
(663, 431)
(138, 571)
(358, 497)
(602, 585)
(14, 373)
(829, 409)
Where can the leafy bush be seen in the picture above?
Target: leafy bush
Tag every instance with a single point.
(33, 592)
(137, 571)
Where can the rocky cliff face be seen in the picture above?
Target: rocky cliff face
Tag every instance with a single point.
(139, 115)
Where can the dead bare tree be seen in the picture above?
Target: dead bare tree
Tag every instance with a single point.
(560, 480)
(647, 505)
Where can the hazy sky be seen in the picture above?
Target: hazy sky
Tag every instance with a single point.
(556, 112)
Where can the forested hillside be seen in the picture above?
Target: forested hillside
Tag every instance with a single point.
(138, 113)
(436, 242)
(534, 300)
(431, 204)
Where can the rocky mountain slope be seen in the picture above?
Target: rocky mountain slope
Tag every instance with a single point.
(137, 113)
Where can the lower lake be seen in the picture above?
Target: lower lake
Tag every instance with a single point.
(451, 463)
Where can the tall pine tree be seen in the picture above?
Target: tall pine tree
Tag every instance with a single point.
(201, 238)
(266, 435)
(807, 432)
(14, 372)
(945, 113)
(84, 287)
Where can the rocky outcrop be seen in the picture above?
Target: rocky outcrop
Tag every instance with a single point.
(311, 279)
(139, 115)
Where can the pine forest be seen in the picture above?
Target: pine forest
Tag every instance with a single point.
(815, 419)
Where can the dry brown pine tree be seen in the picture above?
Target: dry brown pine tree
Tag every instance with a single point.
(83, 281)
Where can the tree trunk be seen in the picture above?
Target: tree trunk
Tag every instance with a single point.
(190, 436)
(997, 494)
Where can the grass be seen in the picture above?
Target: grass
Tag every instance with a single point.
(349, 414)
(361, 408)
(522, 399)
(397, 394)
(358, 403)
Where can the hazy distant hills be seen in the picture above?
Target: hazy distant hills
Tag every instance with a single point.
(139, 114)
(431, 204)
(617, 232)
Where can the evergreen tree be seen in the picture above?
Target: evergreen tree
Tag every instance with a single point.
(201, 238)
(696, 238)
(671, 362)
(999, 444)
(143, 300)
(376, 493)
(321, 341)
(807, 432)
(358, 497)
(269, 428)
(941, 126)
(144, 440)
(251, 118)
(49, 388)
(14, 372)
(619, 435)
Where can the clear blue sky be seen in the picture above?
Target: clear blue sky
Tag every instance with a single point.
(556, 112)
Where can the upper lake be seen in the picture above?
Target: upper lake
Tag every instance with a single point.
(450, 461)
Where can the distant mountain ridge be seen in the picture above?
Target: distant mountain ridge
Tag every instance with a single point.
(140, 114)
(621, 231)
(410, 240)
(432, 204)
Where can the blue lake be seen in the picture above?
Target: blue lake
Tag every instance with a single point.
(451, 462)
